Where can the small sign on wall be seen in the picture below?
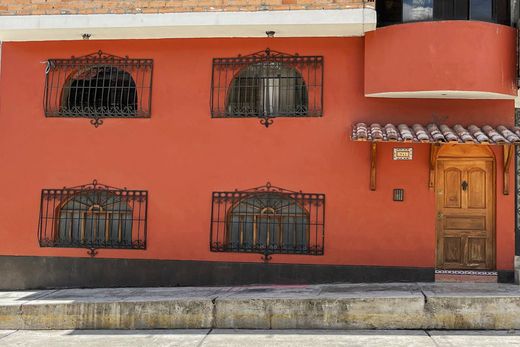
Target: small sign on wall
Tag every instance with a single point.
(403, 153)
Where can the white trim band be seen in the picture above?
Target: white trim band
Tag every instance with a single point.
(443, 94)
(297, 23)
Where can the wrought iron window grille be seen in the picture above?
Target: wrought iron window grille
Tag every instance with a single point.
(268, 220)
(93, 216)
(98, 86)
(266, 85)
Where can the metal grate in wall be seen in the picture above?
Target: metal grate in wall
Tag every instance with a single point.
(98, 86)
(268, 220)
(267, 84)
(93, 216)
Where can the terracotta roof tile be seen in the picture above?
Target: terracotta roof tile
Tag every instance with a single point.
(433, 133)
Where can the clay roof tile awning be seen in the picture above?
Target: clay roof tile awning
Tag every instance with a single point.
(433, 133)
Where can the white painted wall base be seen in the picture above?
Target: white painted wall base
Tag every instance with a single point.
(298, 23)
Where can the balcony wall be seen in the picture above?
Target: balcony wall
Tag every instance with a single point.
(446, 59)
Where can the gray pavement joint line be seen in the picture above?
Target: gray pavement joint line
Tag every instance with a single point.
(423, 294)
(204, 338)
(270, 312)
(213, 312)
(214, 306)
(11, 333)
(431, 338)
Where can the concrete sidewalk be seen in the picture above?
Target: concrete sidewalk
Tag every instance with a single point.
(339, 306)
(257, 338)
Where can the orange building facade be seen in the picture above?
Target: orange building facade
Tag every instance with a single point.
(360, 200)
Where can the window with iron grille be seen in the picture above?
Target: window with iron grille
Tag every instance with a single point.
(268, 220)
(98, 86)
(93, 216)
(266, 85)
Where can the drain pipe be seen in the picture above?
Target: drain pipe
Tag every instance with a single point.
(515, 20)
(517, 203)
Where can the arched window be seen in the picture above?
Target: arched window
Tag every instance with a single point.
(93, 216)
(102, 90)
(268, 221)
(268, 89)
(97, 218)
(267, 84)
(98, 86)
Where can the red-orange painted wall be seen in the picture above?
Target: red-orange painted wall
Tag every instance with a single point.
(181, 155)
(445, 55)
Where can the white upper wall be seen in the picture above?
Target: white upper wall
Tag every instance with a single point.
(298, 23)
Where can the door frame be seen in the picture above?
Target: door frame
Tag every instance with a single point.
(467, 152)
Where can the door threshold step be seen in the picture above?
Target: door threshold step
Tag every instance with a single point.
(461, 276)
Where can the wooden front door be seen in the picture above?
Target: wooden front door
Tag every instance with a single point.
(465, 213)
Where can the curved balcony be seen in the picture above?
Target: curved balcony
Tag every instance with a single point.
(444, 59)
(403, 11)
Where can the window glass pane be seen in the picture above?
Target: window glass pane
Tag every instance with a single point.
(270, 88)
(503, 14)
(450, 9)
(481, 10)
(268, 221)
(417, 10)
(100, 89)
(389, 12)
(461, 9)
(443, 9)
(95, 217)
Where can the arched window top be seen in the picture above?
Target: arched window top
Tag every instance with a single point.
(268, 220)
(101, 72)
(96, 200)
(266, 85)
(93, 216)
(98, 86)
(269, 203)
(268, 69)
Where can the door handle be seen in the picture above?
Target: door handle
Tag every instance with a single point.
(464, 185)
(439, 215)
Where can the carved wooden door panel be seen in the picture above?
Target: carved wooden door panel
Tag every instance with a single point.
(465, 214)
